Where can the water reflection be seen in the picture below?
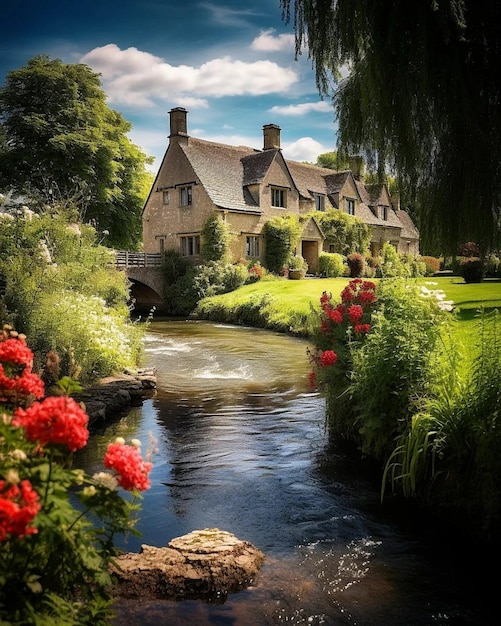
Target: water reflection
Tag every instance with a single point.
(242, 445)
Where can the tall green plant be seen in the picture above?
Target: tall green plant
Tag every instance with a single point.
(216, 239)
(281, 237)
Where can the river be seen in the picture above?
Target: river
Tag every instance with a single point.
(240, 443)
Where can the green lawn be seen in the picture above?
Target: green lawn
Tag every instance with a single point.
(289, 302)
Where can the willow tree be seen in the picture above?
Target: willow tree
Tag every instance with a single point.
(422, 95)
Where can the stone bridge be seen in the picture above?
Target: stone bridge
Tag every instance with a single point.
(145, 272)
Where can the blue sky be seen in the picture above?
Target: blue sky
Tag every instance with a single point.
(230, 63)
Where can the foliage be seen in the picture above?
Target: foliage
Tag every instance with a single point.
(345, 233)
(62, 291)
(451, 454)
(297, 262)
(330, 265)
(390, 262)
(469, 249)
(356, 264)
(432, 264)
(64, 145)
(57, 524)
(395, 366)
(281, 237)
(413, 104)
(216, 238)
(217, 277)
(472, 270)
(332, 161)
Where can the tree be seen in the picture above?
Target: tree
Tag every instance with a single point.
(422, 95)
(62, 143)
(332, 161)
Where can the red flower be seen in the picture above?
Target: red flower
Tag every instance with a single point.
(362, 328)
(312, 381)
(347, 295)
(366, 297)
(18, 507)
(324, 327)
(55, 420)
(325, 299)
(368, 285)
(355, 312)
(132, 471)
(16, 351)
(335, 316)
(16, 378)
(328, 358)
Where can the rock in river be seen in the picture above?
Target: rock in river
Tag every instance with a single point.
(207, 564)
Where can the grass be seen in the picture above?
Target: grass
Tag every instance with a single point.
(286, 305)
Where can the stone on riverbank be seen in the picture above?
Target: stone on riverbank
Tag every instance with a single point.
(114, 395)
(206, 564)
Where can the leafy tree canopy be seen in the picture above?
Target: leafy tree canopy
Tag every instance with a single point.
(60, 142)
(422, 96)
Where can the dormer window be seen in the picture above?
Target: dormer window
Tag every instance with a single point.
(384, 213)
(278, 197)
(319, 202)
(349, 206)
(185, 195)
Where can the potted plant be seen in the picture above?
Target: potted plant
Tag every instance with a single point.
(297, 267)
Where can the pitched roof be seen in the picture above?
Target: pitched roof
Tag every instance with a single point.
(220, 170)
(409, 231)
(227, 171)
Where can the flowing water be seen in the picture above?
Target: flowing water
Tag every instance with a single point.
(242, 445)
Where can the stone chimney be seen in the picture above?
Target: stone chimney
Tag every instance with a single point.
(357, 167)
(178, 122)
(271, 137)
(395, 201)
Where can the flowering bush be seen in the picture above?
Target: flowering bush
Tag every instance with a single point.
(341, 326)
(57, 525)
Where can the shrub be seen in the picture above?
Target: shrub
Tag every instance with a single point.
(216, 239)
(330, 265)
(395, 365)
(356, 264)
(432, 264)
(281, 236)
(218, 277)
(472, 270)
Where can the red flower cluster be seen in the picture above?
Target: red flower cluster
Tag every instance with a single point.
(327, 358)
(17, 381)
(132, 471)
(55, 420)
(18, 507)
(357, 299)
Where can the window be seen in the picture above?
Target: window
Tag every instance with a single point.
(278, 197)
(252, 246)
(185, 195)
(166, 197)
(190, 246)
(349, 205)
(384, 213)
(161, 245)
(319, 202)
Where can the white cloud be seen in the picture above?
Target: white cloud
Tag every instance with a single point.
(228, 17)
(268, 42)
(303, 109)
(138, 78)
(304, 149)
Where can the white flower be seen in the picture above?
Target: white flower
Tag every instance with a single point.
(106, 480)
(120, 440)
(136, 443)
(18, 455)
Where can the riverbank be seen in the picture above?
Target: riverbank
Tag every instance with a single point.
(116, 395)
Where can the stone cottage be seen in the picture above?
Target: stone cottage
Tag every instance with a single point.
(247, 187)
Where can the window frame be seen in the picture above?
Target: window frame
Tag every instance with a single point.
(165, 196)
(186, 195)
(319, 202)
(189, 245)
(252, 246)
(349, 206)
(281, 192)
